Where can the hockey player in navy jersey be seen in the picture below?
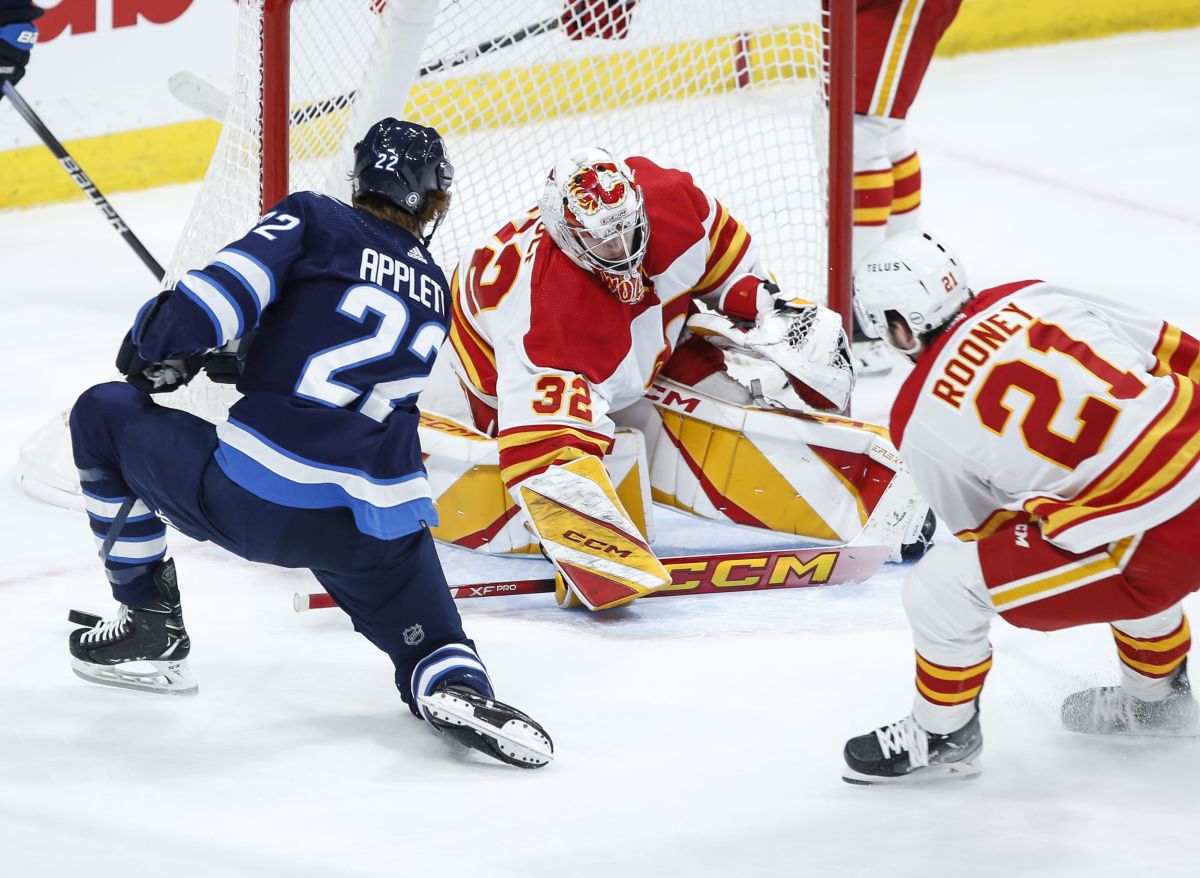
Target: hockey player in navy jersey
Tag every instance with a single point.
(318, 465)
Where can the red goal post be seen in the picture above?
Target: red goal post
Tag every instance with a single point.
(754, 98)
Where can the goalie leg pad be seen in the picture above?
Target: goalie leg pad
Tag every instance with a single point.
(474, 505)
(584, 530)
(818, 476)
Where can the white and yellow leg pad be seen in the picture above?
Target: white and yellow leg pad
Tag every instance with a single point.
(601, 558)
(475, 508)
(823, 477)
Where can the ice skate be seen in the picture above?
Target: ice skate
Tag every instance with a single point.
(489, 726)
(142, 648)
(1110, 710)
(904, 752)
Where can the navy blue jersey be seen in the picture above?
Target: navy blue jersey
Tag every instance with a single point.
(350, 311)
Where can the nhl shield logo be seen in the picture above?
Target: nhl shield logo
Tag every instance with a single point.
(414, 635)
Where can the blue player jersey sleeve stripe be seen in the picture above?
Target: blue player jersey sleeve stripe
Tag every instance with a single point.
(217, 303)
(382, 508)
(253, 274)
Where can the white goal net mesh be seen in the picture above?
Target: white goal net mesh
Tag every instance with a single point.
(733, 92)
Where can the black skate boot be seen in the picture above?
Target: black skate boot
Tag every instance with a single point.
(922, 540)
(143, 648)
(1110, 710)
(487, 725)
(905, 753)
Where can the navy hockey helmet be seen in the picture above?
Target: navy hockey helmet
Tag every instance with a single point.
(403, 163)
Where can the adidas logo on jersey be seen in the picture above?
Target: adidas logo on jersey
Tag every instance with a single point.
(415, 253)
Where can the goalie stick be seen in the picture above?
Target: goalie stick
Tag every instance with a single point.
(703, 574)
(82, 180)
(205, 98)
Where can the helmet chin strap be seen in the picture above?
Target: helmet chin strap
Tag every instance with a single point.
(428, 236)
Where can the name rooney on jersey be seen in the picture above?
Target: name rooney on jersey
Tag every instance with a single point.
(400, 277)
(976, 349)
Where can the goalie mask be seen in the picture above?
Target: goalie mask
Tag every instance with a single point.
(915, 275)
(595, 212)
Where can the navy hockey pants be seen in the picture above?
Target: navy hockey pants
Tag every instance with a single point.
(127, 446)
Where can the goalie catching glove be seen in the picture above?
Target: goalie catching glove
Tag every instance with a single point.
(600, 558)
(805, 340)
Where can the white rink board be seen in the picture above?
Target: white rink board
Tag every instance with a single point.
(697, 736)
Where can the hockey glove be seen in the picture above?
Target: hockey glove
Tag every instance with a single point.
(18, 35)
(225, 366)
(155, 377)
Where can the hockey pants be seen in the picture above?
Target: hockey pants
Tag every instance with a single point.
(129, 448)
(1135, 585)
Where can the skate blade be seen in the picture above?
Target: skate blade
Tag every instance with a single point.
(521, 744)
(165, 678)
(951, 771)
(1189, 731)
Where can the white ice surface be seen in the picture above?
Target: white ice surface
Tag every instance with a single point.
(696, 736)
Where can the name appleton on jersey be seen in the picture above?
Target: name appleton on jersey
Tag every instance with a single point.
(397, 275)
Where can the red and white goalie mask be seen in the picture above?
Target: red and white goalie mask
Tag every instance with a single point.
(594, 211)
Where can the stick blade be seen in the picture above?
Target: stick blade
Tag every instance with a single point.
(199, 95)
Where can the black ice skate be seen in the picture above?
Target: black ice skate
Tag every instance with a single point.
(1110, 710)
(904, 752)
(489, 726)
(143, 648)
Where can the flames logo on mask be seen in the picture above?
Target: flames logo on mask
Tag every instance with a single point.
(588, 190)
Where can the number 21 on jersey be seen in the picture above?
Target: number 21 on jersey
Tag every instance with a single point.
(1096, 416)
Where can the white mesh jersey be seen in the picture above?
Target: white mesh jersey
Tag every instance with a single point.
(1075, 411)
(546, 344)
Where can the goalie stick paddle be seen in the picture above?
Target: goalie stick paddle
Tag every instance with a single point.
(205, 98)
(82, 180)
(704, 574)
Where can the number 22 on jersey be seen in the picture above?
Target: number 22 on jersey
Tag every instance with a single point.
(317, 382)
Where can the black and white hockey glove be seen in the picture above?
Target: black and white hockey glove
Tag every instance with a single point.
(155, 377)
(18, 36)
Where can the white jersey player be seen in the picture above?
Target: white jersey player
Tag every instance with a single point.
(1057, 434)
(573, 313)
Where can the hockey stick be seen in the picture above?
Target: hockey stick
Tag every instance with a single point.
(704, 574)
(205, 98)
(82, 180)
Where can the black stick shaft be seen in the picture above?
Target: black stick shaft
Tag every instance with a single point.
(82, 180)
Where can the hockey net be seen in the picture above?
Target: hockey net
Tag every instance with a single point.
(735, 93)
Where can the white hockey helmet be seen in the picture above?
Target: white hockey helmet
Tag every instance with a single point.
(913, 274)
(595, 212)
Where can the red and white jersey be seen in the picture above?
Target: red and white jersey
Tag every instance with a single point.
(1074, 411)
(544, 343)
